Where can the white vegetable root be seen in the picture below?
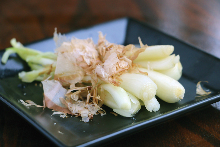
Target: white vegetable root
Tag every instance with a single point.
(139, 85)
(168, 89)
(155, 52)
(175, 72)
(135, 107)
(152, 105)
(161, 64)
(115, 97)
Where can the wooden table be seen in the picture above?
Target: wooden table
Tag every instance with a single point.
(194, 21)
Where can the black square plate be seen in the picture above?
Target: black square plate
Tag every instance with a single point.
(197, 66)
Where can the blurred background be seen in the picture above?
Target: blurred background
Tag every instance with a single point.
(196, 22)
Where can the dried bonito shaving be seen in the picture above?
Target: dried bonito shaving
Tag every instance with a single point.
(28, 103)
(200, 91)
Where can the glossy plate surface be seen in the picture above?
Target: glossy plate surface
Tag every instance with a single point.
(197, 66)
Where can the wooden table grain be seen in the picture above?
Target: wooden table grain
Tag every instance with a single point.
(197, 22)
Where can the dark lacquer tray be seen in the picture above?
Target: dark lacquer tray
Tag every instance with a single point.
(197, 66)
